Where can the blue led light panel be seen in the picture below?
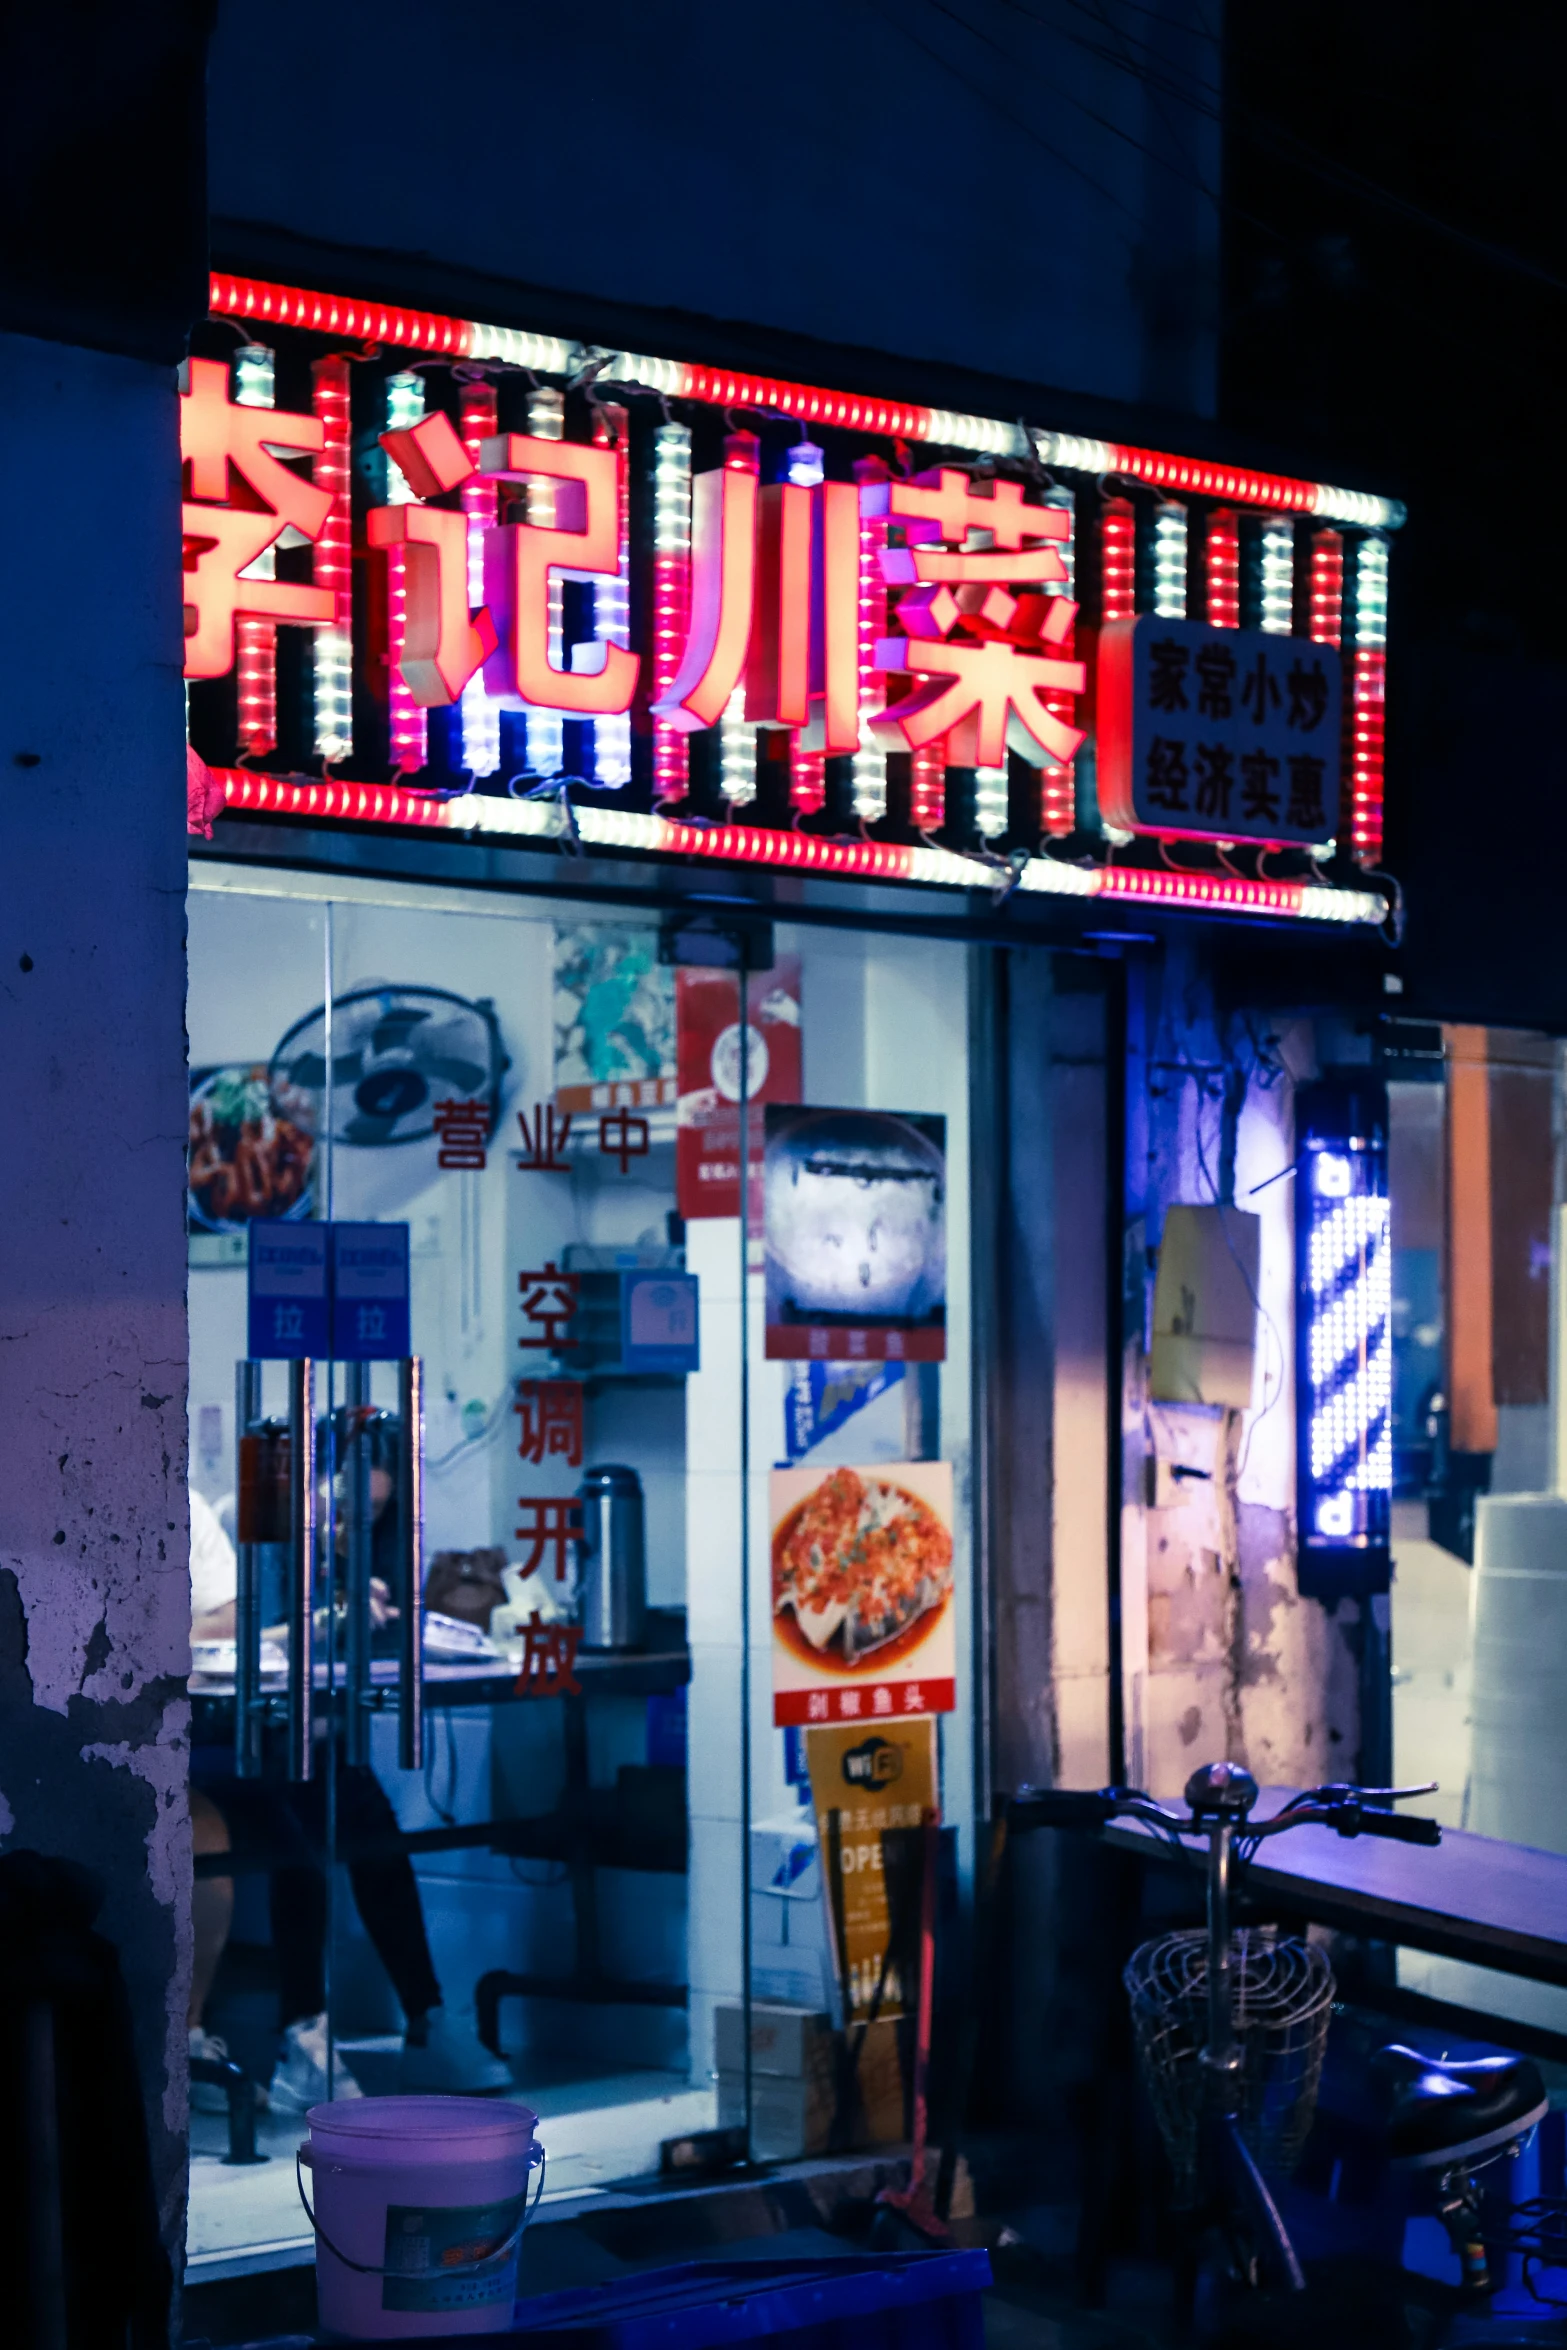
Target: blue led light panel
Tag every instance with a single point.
(1344, 1339)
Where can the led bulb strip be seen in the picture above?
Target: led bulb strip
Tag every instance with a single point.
(255, 641)
(332, 648)
(480, 715)
(408, 725)
(246, 792)
(986, 436)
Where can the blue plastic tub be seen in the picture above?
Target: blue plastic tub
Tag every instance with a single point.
(902, 2301)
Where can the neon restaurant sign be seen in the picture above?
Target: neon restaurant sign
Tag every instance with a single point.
(458, 577)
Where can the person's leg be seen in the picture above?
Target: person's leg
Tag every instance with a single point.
(211, 1903)
(267, 1826)
(441, 2051)
(300, 1913)
(386, 1891)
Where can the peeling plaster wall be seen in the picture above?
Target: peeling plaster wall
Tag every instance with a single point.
(94, 1576)
(1235, 1664)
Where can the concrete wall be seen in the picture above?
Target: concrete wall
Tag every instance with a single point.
(976, 187)
(1223, 1659)
(94, 1589)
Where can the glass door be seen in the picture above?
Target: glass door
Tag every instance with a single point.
(455, 1855)
(541, 1504)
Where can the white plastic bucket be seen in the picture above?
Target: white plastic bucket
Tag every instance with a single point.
(419, 2208)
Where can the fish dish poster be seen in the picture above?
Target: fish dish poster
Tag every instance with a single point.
(855, 1235)
(862, 1593)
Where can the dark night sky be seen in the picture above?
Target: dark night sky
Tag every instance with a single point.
(1415, 331)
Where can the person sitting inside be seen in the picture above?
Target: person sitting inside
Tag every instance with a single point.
(283, 1829)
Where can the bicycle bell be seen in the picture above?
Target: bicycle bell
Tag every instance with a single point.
(1222, 1790)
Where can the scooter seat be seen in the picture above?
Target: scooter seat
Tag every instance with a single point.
(1440, 2114)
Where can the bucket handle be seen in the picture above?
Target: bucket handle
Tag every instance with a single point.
(464, 2268)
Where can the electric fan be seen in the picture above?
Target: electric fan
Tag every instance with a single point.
(396, 1053)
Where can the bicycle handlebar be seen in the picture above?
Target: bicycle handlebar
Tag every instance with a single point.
(1397, 1827)
(1347, 1810)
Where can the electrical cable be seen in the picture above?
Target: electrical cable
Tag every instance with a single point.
(1138, 67)
(1157, 89)
(443, 1811)
(1018, 122)
(495, 1420)
(978, 33)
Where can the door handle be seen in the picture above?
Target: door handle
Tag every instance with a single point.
(301, 1568)
(410, 1544)
(247, 1583)
(356, 1628)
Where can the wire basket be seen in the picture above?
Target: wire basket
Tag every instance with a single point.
(1281, 2000)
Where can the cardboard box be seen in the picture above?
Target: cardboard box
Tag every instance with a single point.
(794, 1977)
(788, 2118)
(794, 2081)
(791, 1948)
(787, 2042)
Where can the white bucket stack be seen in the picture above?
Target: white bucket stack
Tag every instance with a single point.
(419, 2207)
(1518, 1768)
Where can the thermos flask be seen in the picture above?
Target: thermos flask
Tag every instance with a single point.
(613, 1579)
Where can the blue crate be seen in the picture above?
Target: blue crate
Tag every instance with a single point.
(903, 2301)
(910, 2301)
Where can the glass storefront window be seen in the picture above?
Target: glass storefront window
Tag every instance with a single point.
(608, 1822)
(1479, 1634)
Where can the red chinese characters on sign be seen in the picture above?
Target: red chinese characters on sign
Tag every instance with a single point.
(241, 499)
(550, 1523)
(544, 1142)
(549, 1298)
(549, 1660)
(776, 577)
(724, 508)
(774, 604)
(623, 1136)
(444, 642)
(881, 1701)
(551, 1414)
(990, 660)
(462, 1129)
(582, 543)
(803, 667)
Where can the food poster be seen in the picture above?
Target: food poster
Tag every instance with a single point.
(247, 1160)
(614, 1020)
(871, 1790)
(707, 1146)
(863, 1599)
(855, 1236)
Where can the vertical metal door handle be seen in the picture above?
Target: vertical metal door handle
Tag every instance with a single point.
(301, 1567)
(410, 1538)
(247, 1586)
(356, 1642)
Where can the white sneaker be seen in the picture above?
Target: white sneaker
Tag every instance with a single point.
(206, 2096)
(300, 2080)
(443, 2053)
